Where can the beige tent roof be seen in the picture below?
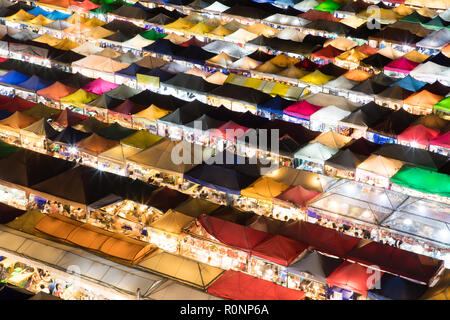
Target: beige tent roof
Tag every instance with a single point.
(100, 63)
(181, 269)
(98, 33)
(391, 53)
(96, 144)
(416, 56)
(109, 53)
(87, 49)
(293, 72)
(217, 78)
(426, 11)
(245, 63)
(119, 153)
(173, 222)
(341, 43)
(176, 39)
(199, 73)
(233, 25)
(332, 139)
(264, 188)
(221, 31)
(48, 39)
(151, 62)
(353, 21)
(195, 207)
(222, 59)
(323, 100)
(294, 177)
(284, 61)
(268, 67)
(159, 157)
(262, 29)
(241, 35)
(137, 42)
(380, 165)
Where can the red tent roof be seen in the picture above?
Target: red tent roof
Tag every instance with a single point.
(16, 104)
(69, 118)
(402, 65)
(233, 234)
(352, 276)
(418, 133)
(231, 128)
(298, 195)
(397, 261)
(327, 53)
(240, 286)
(313, 15)
(86, 5)
(443, 140)
(307, 65)
(321, 238)
(129, 107)
(279, 249)
(192, 42)
(302, 109)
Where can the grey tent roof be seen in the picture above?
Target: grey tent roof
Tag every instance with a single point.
(42, 128)
(123, 92)
(206, 122)
(345, 160)
(317, 265)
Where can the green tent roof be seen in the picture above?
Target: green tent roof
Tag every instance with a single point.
(443, 105)
(104, 9)
(116, 132)
(423, 180)
(153, 35)
(141, 139)
(328, 5)
(7, 149)
(434, 24)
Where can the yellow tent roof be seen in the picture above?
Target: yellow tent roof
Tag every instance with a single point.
(353, 21)
(426, 12)
(264, 188)
(98, 33)
(382, 14)
(253, 83)
(181, 269)
(262, 29)
(403, 10)
(352, 55)
(332, 139)
(180, 24)
(341, 43)
(141, 139)
(268, 67)
(294, 177)
(48, 39)
(77, 28)
(119, 153)
(151, 113)
(280, 89)
(40, 20)
(27, 221)
(317, 78)
(76, 18)
(79, 96)
(284, 61)
(94, 22)
(20, 15)
(416, 56)
(380, 165)
(201, 28)
(173, 222)
(221, 31)
(66, 44)
(357, 75)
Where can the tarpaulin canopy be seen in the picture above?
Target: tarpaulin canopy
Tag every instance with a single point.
(70, 136)
(79, 97)
(301, 110)
(423, 180)
(328, 5)
(42, 111)
(116, 132)
(332, 139)
(423, 99)
(409, 83)
(229, 131)
(345, 160)
(8, 214)
(401, 65)
(69, 118)
(34, 84)
(18, 120)
(142, 139)
(357, 75)
(316, 265)
(315, 152)
(327, 53)
(381, 166)
(16, 104)
(443, 105)
(392, 287)
(241, 93)
(442, 141)
(397, 261)
(264, 189)
(353, 277)
(96, 144)
(395, 93)
(240, 286)
(297, 195)
(123, 92)
(395, 123)
(418, 134)
(128, 107)
(40, 128)
(279, 250)
(194, 207)
(275, 105)
(436, 40)
(13, 78)
(56, 91)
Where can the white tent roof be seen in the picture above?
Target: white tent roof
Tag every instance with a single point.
(230, 49)
(174, 67)
(323, 100)
(87, 49)
(341, 83)
(241, 35)
(315, 152)
(287, 20)
(96, 270)
(329, 115)
(445, 15)
(245, 63)
(428, 71)
(137, 42)
(291, 34)
(436, 40)
(217, 7)
(306, 5)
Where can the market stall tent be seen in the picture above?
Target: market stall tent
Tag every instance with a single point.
(17, 120)
(332, 139)
(56, 91)
(353, 277)
(279, 250)
(264, 189)
(396, 288)
(418, 134)
(297, 195)
(99, 86)
(440, 291)
(240, 286)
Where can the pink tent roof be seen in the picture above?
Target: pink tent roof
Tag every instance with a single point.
(298, 195)
(99, 86)
(418, 133)
(302, 109)
(232, 128)
(443, 140)
(86, 5)
(402, 65)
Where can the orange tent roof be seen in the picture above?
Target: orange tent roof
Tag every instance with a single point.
(423, 98)
(57, 3)
(97, 144)
(357, 75)
(446, 50)
(18, 120)
(56, 91)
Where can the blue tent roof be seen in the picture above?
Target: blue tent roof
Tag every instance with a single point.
(409, 83)
(132, 70)
(37, 11)
(13, 77)
(70, 136)
(58, 15)
(396, 288)
(35, 83)
(4, 114)
(275, 105)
